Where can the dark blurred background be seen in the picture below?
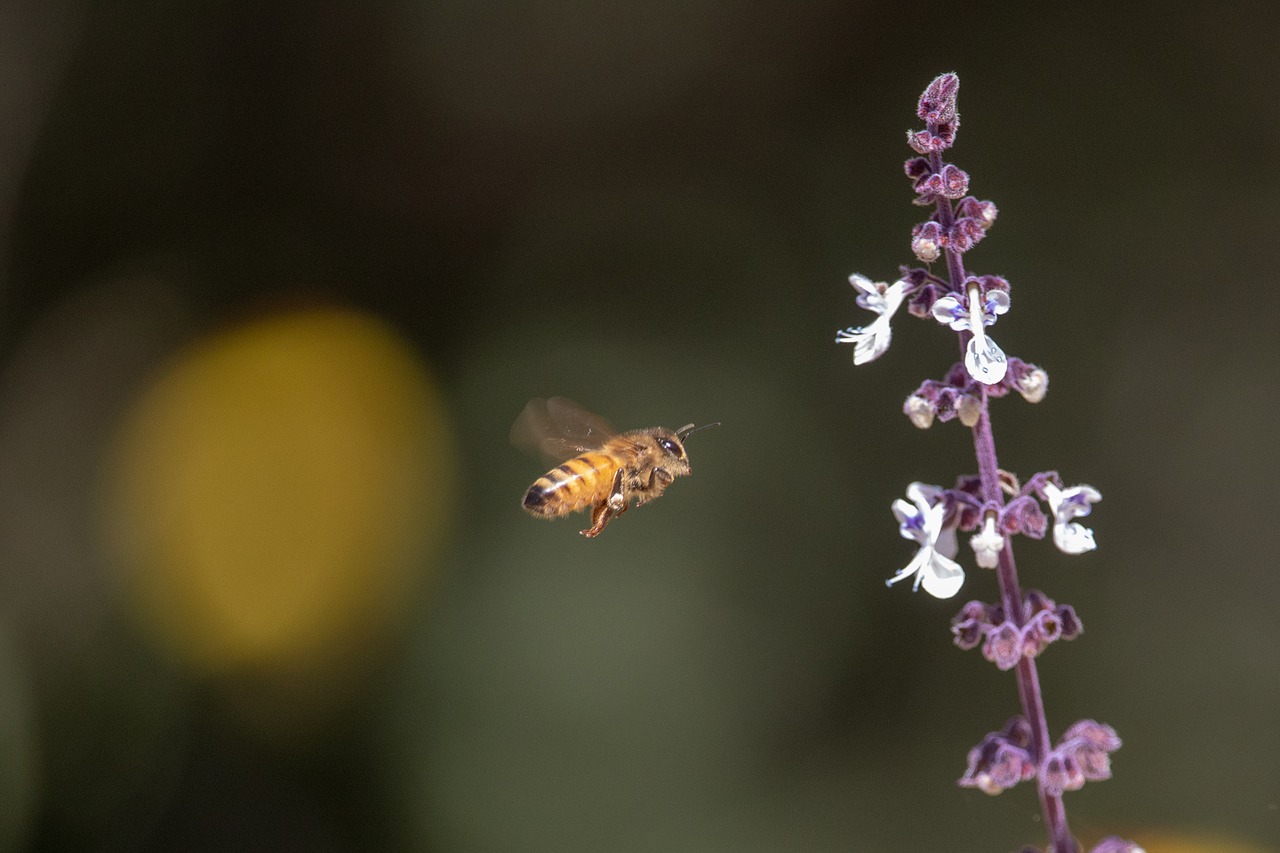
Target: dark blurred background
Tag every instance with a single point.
(277, 276)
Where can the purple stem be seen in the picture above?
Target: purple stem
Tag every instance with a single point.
(1053, 807)
(984, 445)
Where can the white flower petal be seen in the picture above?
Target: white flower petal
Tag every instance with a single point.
(987, 544)
(869, 342)
(984, 360)
(919, 561)
(862, 284)
(1077, 501)
(946, 541)
(942, 578)
(924, 495)
(910, 522)
(904, 511)
(883, 299)
(997, 302)
(894, 296)
(1073, 538)
(949, 312)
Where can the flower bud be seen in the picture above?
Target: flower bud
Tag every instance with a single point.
(938, 102)
(1061, 773)
(1031, 382)
(953, 182)
(916, 168)
(1003, 646)
(926, 241)
(919, 411)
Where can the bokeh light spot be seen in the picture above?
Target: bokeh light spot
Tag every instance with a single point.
(275, 493)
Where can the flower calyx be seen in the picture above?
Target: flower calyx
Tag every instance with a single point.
(1001, 760)
(1006, 641)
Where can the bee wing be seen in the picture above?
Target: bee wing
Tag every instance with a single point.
(558, 429)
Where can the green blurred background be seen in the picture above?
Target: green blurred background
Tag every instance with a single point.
(277, 277)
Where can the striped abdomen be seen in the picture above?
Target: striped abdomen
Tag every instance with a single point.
(577, 484)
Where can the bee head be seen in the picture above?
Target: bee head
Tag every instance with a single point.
(671, 445)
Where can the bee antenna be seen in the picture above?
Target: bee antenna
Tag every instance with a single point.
(689, 429)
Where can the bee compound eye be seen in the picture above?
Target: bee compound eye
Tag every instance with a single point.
(669, 446)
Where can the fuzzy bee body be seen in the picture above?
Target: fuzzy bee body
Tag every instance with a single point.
(571, 486)
(604, 471)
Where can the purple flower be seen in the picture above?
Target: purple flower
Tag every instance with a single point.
(1002, 760)
(1023, 515)
(1061, 773)
(1083, 754)
(951, 182)
(1003, 641)
(971, 624)
(1091, 743)
(1004, 646)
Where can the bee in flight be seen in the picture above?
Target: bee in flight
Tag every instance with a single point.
(601, 468)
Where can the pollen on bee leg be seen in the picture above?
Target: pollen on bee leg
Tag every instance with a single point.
(617, 500)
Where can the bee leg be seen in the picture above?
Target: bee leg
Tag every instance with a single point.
(659, 479)
(601, 513)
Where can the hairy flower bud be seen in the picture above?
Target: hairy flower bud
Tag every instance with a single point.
(919, 411)
(1028, 380)
(917, 168)
(938, 102)
(926, 241)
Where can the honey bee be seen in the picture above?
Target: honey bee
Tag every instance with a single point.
(601, 468)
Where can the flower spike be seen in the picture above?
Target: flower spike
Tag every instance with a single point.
(992, 506)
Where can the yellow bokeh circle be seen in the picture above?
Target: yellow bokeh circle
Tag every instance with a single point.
(1174, 842)
(276, 493)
